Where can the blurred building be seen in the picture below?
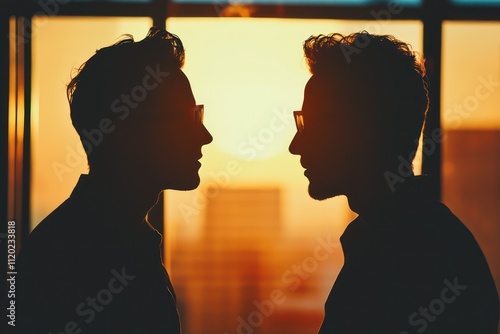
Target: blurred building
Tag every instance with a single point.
(242, 275)
(471, 187)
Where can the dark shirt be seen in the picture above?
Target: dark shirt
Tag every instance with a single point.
(89, 267)
(411, 267)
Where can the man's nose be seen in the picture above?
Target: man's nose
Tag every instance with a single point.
(205, 135)
(294, 147)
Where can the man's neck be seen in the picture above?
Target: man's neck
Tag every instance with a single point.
(370, 197)
(133, 196)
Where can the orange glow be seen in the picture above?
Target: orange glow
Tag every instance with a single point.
(16, 121)
(12, 121)
(236, 10)
(472, 53)
(60, 45)
(250, 75)
(471, 119)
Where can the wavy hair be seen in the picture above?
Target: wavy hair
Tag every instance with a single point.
(382, 77)
(113, 71)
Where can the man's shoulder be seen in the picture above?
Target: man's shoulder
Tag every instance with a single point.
(60, 237)
(436, 217)
(54, 229)
(425, 231)
(436, 240)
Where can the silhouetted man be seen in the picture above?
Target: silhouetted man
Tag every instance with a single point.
(94, 264)
(410, 265)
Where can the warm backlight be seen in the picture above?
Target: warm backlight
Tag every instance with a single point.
(250, 233)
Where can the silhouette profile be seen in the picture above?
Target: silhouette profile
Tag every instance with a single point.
(410, 265)
(94, 265)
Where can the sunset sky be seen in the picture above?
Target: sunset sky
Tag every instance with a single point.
(250, 75)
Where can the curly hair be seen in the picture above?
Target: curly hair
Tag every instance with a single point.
(388, 75)
(114, 70)
(124, 51)
(318, 49)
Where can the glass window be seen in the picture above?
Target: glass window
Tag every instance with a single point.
(470, 117)
(115, 1)
(476, 2)
(61, 45)
(302, 2)
(251, 227)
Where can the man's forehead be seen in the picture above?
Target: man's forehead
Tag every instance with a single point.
(175, 91)
(322, 90)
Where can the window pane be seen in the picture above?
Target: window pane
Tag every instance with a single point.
(471, 119)
(476, 2)
(251, 223)
(471, 67)
(119, 1)
(302, 2)
(61, 45)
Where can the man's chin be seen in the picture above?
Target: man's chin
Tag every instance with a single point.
(185, 184)
(322, 192)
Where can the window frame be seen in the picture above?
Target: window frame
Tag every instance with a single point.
(15, 180)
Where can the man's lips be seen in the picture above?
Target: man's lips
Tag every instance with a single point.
(306, 169)
(303, 164)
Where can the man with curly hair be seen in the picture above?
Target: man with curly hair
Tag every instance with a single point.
(410, 265)
(94, 264)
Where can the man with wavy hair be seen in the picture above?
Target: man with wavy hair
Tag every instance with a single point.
(410, 265)
(94, 264)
